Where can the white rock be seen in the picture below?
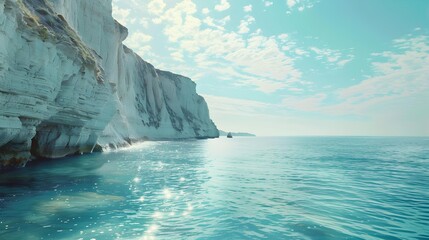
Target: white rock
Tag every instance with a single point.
(67, 83)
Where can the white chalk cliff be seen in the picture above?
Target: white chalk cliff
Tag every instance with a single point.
(67, 84)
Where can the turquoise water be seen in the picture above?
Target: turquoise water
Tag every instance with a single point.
(240, 188)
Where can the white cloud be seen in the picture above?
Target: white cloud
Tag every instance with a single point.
(224, 20)
(236, 106)
(222, 6)
(189, 26)
(137, 38)
(178, 56)
(144, 51)
(179, 20)
(268, 3)
(300, 5)
(415, 53)
(157, 20)
(399, 88)
(402, 74)
(253, 61)
(156, 7)
(257, 32)
(209, 21)
(120, 14)
(189, 46)
(247, 8)
(244, 24)
(300, 52)
(267, 66)
(243, 28)
(264, 85)
(256, 62)
(138, 41)
(400, 77)
(341, 63)
(205, 11)
(291, 3)
(283, 37)
(310, 104)
(216, 23)
(144, 22)
(331, 56)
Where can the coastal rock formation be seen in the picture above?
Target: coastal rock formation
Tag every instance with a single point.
(67, 83)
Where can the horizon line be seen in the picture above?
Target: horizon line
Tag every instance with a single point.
(419, 136)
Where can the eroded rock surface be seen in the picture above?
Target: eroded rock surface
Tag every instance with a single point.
(67, 83)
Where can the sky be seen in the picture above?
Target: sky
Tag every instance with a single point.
(294, 67)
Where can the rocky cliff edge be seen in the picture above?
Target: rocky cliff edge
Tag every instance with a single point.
(68, 84)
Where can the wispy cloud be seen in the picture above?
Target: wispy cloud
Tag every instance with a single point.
(402, 73)
(247, 8)
(222, 6)
(156, 6)
(399, 74)
(308, 104)
(205, 11)
(331, 57)
(236, 106)
(179, 20)
(215, 45)
(268, 3)
(291, 3)
(244, 24)
(121, 15)
(299, 5)
(252, 59)
(139, 42)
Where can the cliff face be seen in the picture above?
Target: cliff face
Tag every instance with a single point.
(67, 83)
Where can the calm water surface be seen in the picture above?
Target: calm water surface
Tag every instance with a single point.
(240, 188)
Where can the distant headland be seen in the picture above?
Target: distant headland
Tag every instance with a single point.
(237, 134)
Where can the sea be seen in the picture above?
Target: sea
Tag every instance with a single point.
(239, 188)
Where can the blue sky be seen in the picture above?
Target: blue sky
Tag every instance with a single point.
(294, 67)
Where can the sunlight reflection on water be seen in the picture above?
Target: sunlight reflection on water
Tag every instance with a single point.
(299, 188)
